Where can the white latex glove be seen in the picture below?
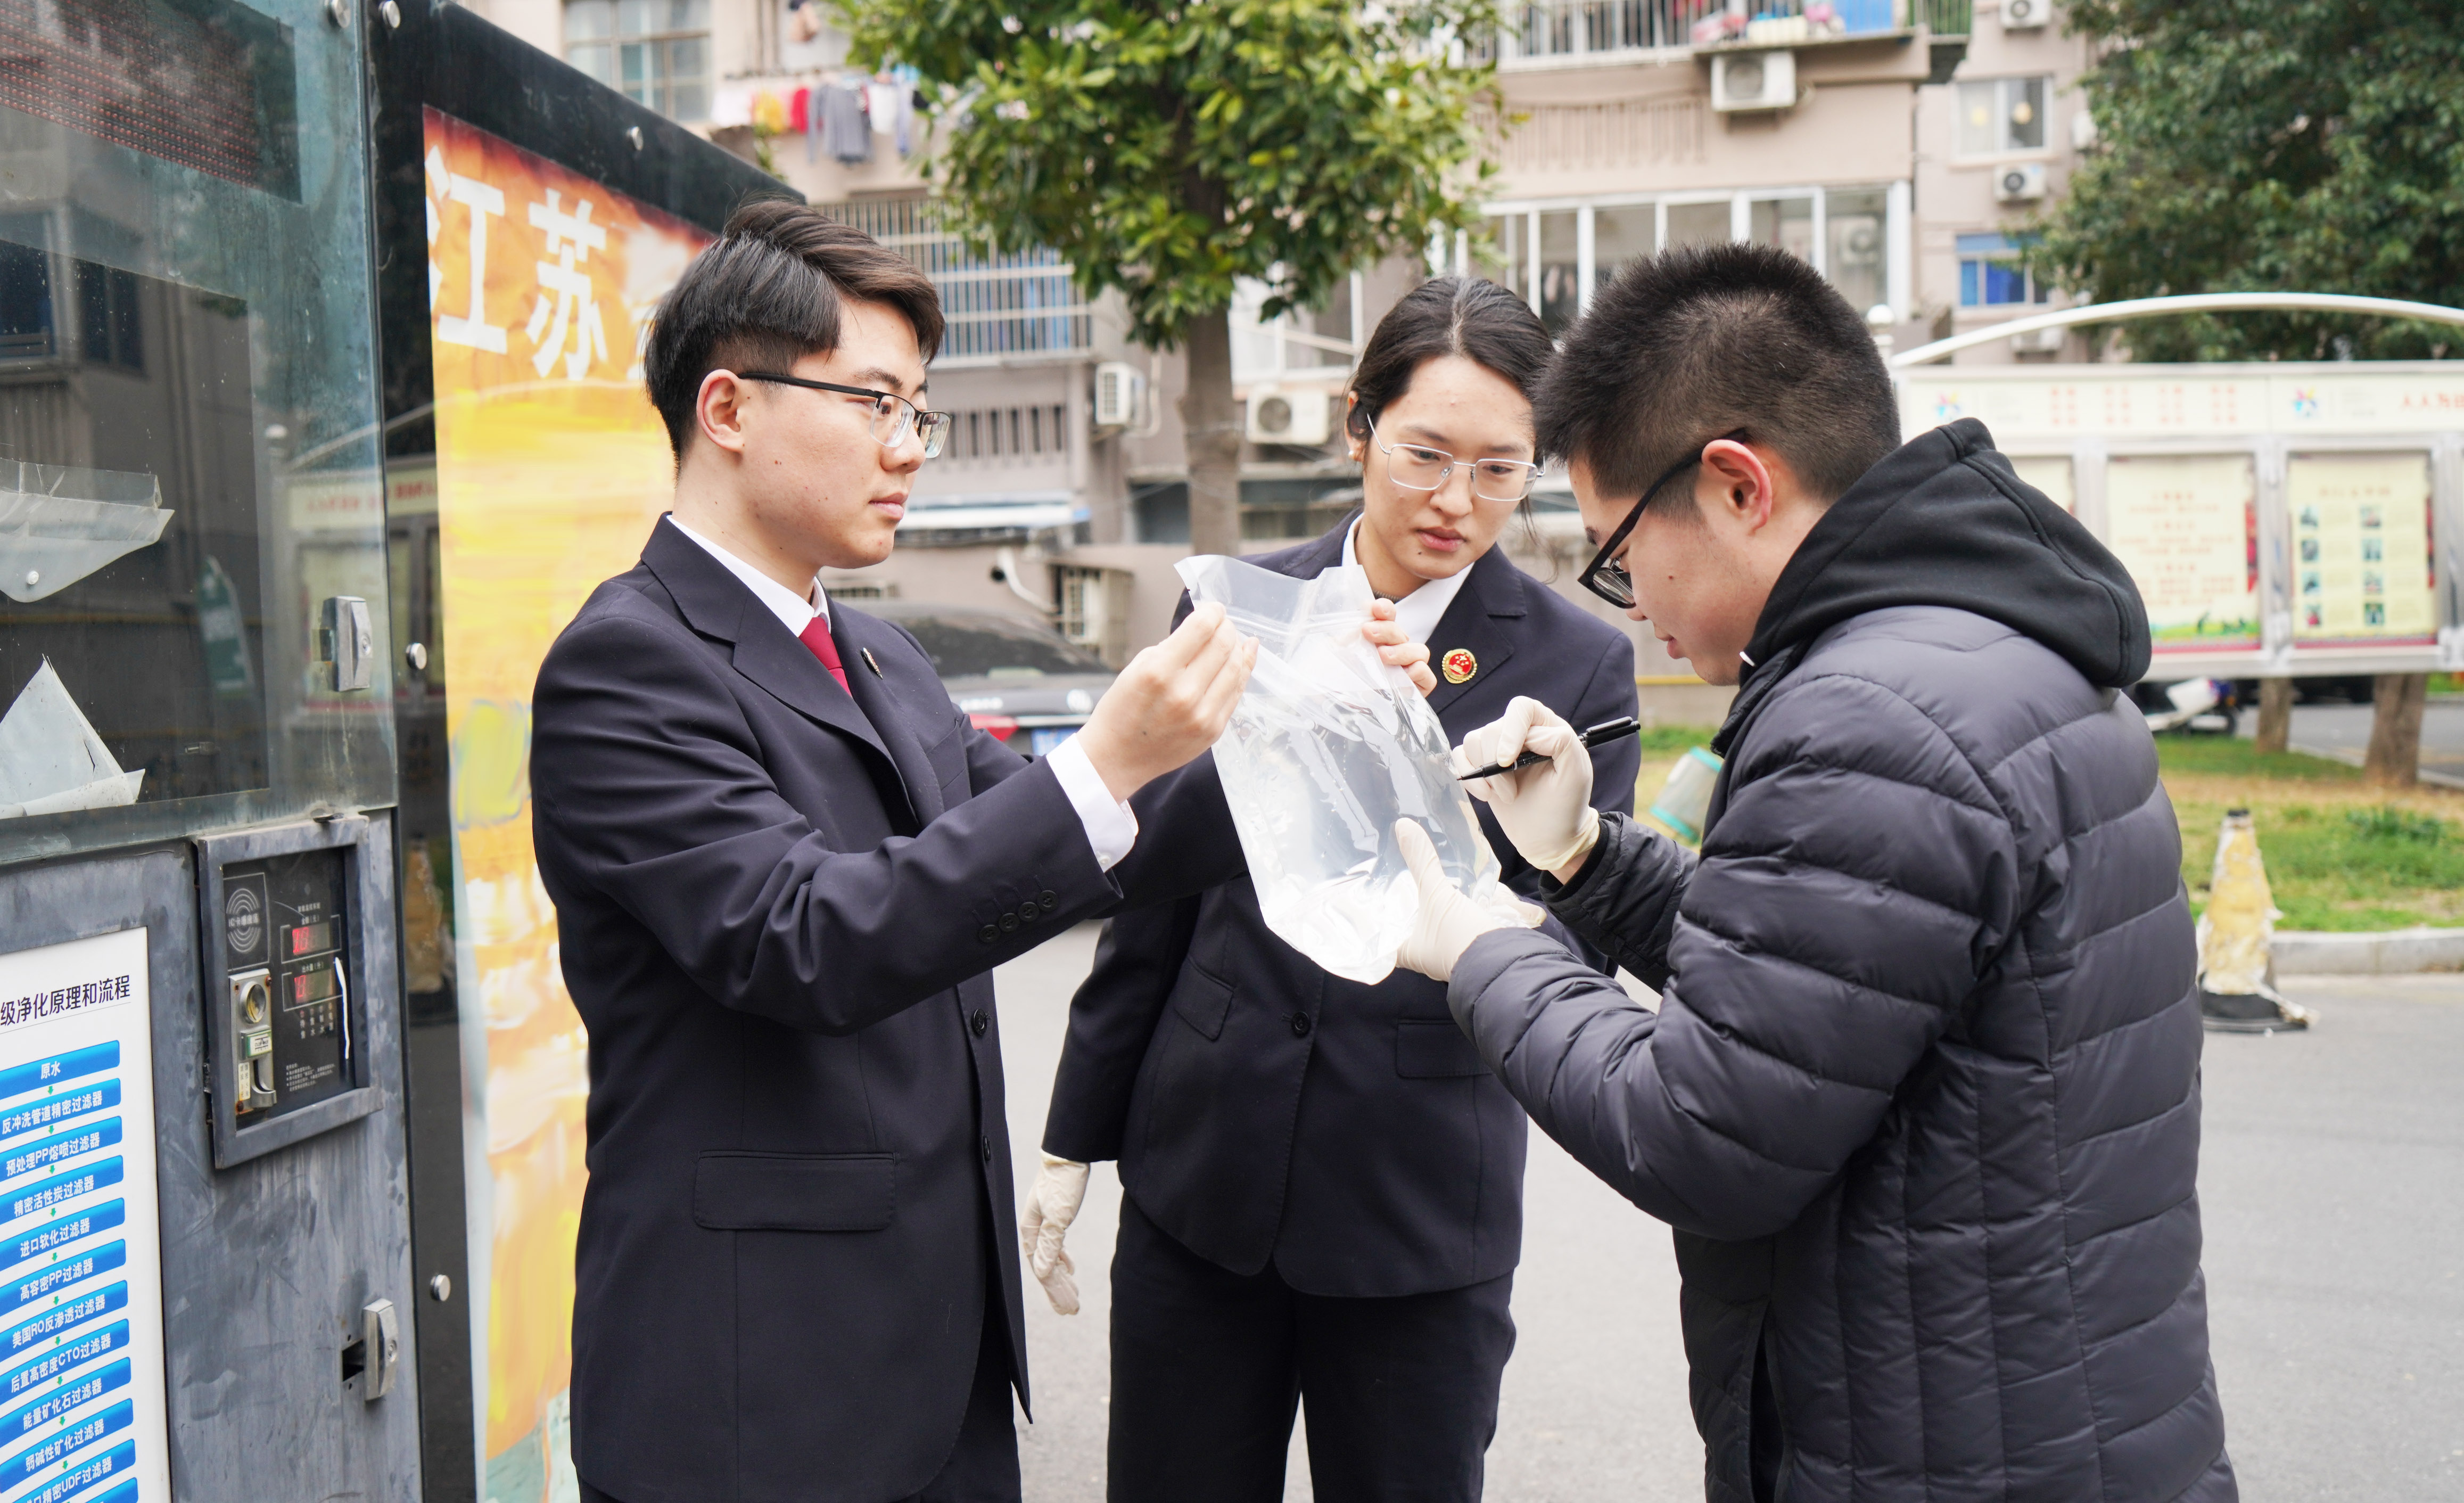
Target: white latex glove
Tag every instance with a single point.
(1448, 921)
(1546, 808)
(1051, 1205)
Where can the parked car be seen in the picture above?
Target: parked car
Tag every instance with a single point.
(1017, 679)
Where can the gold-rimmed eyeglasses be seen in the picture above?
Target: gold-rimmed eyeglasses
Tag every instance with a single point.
(1418, 467)
(894, 416)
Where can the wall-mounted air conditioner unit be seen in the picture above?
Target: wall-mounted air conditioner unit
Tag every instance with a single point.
(2037, 342)
(1120, 391)
(1288, 415)
(2026, 15)
(1753, 81)
(2021, 182)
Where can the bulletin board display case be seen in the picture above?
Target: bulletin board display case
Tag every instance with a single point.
(189, 433)
(2279, 520)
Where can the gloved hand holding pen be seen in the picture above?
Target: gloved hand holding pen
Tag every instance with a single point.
(1546, 808)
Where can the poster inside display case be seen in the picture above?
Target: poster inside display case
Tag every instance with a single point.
(2187, 529)
(2364, 568)
(550, 469)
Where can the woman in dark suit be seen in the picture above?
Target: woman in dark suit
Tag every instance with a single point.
(1325, 1188)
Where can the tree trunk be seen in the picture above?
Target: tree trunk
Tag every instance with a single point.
(2274, 713)
(1211, 431)
(2394, 760)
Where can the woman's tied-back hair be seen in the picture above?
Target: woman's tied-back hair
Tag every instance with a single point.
(768, 292)
(1463, 316)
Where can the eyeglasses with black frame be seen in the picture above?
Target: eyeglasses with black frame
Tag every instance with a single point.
(1418, 467)
(1605, 576)
(894, 416)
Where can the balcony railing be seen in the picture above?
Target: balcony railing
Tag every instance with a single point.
(1558, 30)
(995, 307)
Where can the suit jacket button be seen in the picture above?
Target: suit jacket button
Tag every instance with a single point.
(1009, 924)
(1300, 1025)
(1048, 900)
(977, 1024)
(985, 1143)
(987, 933)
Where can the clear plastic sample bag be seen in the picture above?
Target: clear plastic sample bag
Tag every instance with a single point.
(1326, 749)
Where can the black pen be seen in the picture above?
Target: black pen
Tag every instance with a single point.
(1600, 735)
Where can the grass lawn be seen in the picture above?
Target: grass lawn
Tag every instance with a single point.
(2340, 853)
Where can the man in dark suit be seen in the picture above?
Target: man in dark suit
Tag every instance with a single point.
(782, 865)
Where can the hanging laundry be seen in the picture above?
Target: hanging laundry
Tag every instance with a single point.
(732, 105)
(849, 140)
(769, 113)
(799, 110)
(803, 20)
(884, 101)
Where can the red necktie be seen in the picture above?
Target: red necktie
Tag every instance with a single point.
(817, 636)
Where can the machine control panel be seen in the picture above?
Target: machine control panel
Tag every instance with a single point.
(285, 941)
(290, 938)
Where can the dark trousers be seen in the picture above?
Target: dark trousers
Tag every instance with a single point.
(1208, 1365)
(983, 1466)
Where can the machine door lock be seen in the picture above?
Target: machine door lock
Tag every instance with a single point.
(370, 1360)
(252, 1017)
(348, 641)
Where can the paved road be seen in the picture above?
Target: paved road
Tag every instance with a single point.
(2344, 731)
(2333, 1185)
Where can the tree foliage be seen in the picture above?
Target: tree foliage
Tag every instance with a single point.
(2294, 145)
(1170, 147)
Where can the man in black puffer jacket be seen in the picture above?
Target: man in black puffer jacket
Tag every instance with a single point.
(1920, 1099)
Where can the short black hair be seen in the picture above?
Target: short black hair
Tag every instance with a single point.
(1447, 316)
(768, 292)
(1703, 341)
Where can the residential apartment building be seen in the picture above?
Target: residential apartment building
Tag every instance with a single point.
(1899, 146)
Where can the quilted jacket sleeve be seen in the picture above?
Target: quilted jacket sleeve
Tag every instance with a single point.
(1850, 896)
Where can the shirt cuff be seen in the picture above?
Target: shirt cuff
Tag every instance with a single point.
(1111, 829)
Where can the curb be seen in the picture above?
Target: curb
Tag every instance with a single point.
(2387, 952)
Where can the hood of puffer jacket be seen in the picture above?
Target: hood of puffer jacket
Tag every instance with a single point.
(1945, 521)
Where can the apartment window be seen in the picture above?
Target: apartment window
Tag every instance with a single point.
(1557, 257)
(1999, 116)
(1561, 271)
(1857, 246)
(1787, 223)
(656, 52)
(1620, 237)
(107, 311)
(1299, 342)
(1699, 224)
(1990, 275)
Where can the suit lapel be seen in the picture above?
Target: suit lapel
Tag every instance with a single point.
(857, 635)
(716, 603)
(1480, 623)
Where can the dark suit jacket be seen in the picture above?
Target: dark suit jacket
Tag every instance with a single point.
(1262, 1108)
(776, 906)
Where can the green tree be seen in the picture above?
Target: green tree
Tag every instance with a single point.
(1171, 146)
(2275, 146)
(2288, 146)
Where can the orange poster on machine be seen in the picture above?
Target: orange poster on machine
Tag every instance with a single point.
(551, 467)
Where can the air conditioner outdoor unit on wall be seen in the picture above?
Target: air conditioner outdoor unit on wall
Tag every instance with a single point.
(2037, 342)
(1120, 388)
(2021, 182)
(2026, 15)
(1753, 81)
(1287, 416)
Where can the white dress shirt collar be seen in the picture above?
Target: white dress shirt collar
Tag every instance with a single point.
(1418, 612)
(793, 614)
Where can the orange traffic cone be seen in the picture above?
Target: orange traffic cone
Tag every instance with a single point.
(2236, 968)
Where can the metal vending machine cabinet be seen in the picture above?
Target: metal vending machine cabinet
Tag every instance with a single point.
(204, 1250)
